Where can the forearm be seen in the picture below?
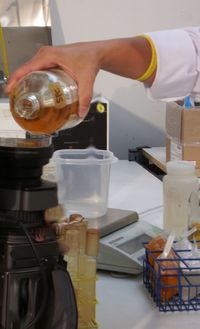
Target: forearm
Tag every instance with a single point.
(128, 57)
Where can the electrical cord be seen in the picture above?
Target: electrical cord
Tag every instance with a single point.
(41, 265)
(150, 210)
(43, 274)
(32, 322)
(42, 270)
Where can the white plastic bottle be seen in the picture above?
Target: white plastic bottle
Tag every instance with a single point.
(178, 185)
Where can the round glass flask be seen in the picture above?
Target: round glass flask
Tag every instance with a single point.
(45, 102)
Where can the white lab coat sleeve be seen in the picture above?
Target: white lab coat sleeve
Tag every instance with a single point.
(178, 64)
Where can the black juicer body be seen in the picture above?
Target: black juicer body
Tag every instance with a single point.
(35, 287)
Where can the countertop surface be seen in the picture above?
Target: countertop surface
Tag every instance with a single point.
(124, 302)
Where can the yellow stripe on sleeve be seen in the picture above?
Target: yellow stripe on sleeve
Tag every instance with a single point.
(153, 64)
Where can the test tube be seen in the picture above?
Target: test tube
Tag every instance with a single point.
(92, 250)
(92, 242)
(72, 240)
(88, 307)
(82, 227)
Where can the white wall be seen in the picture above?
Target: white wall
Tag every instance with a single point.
(134, 120)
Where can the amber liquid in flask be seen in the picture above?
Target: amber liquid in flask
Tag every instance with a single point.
(45, 102)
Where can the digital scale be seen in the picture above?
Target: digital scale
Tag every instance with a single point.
(122, 236)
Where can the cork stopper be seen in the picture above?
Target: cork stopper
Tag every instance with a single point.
(75, 218)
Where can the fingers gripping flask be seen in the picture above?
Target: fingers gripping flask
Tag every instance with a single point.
(178, 185)
(45, 102)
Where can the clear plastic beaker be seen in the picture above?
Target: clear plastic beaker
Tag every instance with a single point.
(83, 180)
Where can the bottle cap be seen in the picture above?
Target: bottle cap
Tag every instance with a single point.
(180, 167)
(27, 106)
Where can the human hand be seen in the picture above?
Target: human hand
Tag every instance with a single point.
(80, 61)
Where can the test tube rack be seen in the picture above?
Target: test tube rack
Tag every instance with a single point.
(173, 283)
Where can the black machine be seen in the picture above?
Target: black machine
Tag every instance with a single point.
(35, 287)
(91, 132)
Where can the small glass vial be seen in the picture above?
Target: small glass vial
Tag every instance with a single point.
(45, 102)
(178, 185)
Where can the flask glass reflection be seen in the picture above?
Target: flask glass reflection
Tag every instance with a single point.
(45, 102)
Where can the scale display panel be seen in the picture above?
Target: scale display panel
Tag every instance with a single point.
(123, 250)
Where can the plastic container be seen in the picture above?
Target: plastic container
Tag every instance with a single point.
(178, 185)
(45, 102)
(83, 180)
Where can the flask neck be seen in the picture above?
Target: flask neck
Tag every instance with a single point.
(27, 106)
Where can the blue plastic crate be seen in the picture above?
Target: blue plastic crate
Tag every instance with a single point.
(173, 283)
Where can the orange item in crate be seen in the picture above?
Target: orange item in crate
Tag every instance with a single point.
(167, 271)
(166, 278)
(156, 244)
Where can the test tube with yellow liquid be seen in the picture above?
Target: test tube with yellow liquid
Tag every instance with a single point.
(72, 240)
(88, 300)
